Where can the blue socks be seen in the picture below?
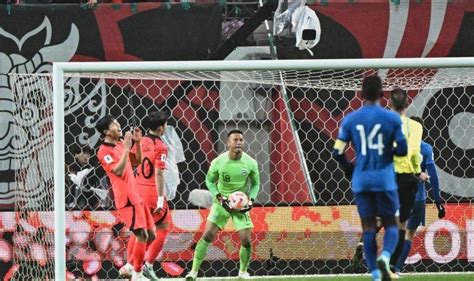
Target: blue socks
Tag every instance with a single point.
(370, 249)
(403, 256)
(390, 239)
(376, 275)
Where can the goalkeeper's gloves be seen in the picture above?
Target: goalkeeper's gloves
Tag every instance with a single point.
(248, 207)
(224, 202)
(441, 210)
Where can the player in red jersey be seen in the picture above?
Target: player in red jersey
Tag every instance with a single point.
(150, 184)
(116, 158)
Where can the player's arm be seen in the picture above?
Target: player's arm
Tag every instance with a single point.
(339, 148)
(254, 176)
(136, 152)
(160, 165)
(211, 179)
(122, 163)
(401, 148)
(255, 182)
(434, 182)
(136, 155)
(416, 134)
(338, 154)
(160, 183)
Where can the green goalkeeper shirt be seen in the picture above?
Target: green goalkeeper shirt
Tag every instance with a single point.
(226, 176)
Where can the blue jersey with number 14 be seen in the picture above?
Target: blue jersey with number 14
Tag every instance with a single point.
(373, 131)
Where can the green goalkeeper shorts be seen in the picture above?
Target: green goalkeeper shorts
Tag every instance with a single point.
(220, 216)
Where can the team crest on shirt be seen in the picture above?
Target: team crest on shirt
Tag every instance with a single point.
(108, 159)
(244, 172)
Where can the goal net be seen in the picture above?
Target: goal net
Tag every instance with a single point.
(305, 219)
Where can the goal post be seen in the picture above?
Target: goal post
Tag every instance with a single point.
(274, 67)
(262, 65)
(290, 129)
(59, 174)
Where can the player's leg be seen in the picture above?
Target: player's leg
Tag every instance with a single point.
(139, 249)
(134, 219)
(245, 251)
(357, 259)
(141, 225)
(216, 220)
(156, 246)
(160, 221)
(366, 205)
(127, 270)
(243, 224)
(407, 187)
(417, 218)
(147, 268)
(387, 209)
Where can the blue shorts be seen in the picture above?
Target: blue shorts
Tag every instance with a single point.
(417, 216)
(377, 204)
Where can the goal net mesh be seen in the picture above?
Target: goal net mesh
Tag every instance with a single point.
(305, 220)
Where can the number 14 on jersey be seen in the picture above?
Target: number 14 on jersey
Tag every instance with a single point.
(372, 141)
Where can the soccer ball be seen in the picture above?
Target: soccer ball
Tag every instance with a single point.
(238, 200)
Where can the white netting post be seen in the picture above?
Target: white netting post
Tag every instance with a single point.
(59, 175)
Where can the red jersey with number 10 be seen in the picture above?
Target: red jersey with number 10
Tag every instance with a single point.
(154, 154)
(124, 187)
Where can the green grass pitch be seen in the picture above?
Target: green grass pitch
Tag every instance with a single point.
(464, 276)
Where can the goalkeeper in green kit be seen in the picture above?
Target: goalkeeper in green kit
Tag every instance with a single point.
(228, 173)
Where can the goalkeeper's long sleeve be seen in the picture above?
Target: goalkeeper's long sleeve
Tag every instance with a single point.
(431, 169)
(255, 180)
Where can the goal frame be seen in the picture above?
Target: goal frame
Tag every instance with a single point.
(60, 68)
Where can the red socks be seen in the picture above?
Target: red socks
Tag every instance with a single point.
(156, 246)
(139, 249)
(130, 245)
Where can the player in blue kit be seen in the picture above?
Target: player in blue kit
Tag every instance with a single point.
(417, 216)
(373, 131)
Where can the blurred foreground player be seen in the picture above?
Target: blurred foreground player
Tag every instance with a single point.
(373, 131)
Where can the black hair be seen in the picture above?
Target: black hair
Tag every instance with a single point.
(76, 149)
(235, 131)
(419, 120)
(104, 124)
(399, 99)
(372, 88)
(155, 120)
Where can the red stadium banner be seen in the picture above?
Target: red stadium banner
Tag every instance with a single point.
(109, 33)
(293, 233)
